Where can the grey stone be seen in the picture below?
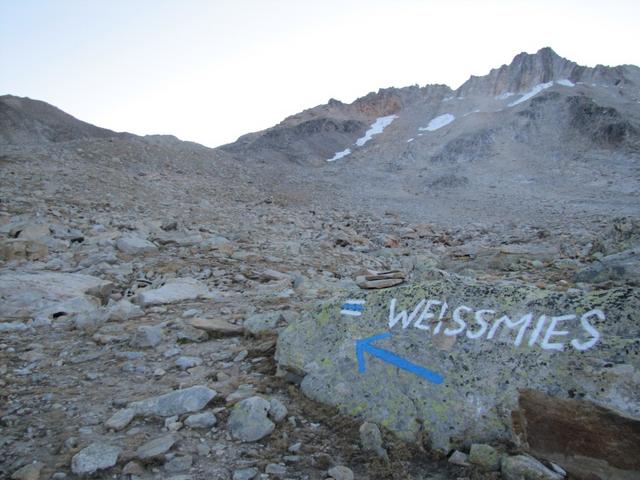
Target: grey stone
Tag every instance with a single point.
(28, 472)
(263, 323)
(191, 334)
(179, 463)
(188, 400)
(319, 352)
(278, 471)
(624, 265)
(156, 447)
(188, 362)
(177, 290)
(245, 474)
(120, 419)
(484, 456)
(371, 439)
(147, 337)
(123, 310)
(459, 458)
(97, 456)
(201, 420)
(134, 245)
(248, 421)
(341, 473)
(524, 467)
(133, 468)
(243, 391)
(28, 295)
(277, 411)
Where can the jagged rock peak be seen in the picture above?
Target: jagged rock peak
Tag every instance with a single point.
(525, 71)
(528, 70)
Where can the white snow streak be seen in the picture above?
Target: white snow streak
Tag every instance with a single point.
(410, 140)
(340, 155)
(566, 83)
(438, 122)
(532, 93)
(377, 127)
(540, 87)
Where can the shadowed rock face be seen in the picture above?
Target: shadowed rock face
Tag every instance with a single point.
(26, 121)
(527, 70)
(605, 441)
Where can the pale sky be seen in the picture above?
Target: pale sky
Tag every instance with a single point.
(210, 71)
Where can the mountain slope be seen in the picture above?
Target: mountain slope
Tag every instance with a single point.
(27, 121)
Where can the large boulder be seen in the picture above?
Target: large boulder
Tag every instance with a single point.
(447, 359)
(24, 295)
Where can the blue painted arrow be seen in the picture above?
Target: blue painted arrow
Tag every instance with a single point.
(364, 345)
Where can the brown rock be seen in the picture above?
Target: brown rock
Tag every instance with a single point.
(18, 248)
(582, 437)
(387, 279)
(216, 326)
(28, 472)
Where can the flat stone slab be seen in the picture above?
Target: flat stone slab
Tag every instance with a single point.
(156, 447)
(97, 456)
(26, 295)
(174, 291)
(216, 326)
(188, 400)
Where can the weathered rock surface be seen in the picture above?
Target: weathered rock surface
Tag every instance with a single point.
(484, 456)
(120, 419)
(188, 400)
(558, 343)
(156, 447)
(175, 291)
(584, 437)
(134, 245)
(48, 293)
(374, 280)
(263, 323)
(97, 456)
(249, 420)
(524, 467)
(215, 326)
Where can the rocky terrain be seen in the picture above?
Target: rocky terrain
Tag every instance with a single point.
(455, 297)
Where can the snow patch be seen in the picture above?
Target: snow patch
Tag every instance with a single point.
(532, 93)
(438, 122)
(377, 127)
(410, 140)
(339, 155)
(566, 83)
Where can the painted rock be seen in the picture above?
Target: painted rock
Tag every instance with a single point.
(449, 360)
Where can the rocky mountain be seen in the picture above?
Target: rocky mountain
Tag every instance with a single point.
(26, 121)
(426, 283)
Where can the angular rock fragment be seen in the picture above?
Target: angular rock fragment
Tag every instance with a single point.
(375, 280)
(156, 447)
(134, 245)
(97, 456)
(188, 400)
(524, 467)
(215, 326)
(249, 420)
